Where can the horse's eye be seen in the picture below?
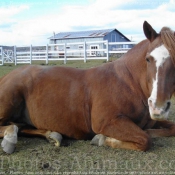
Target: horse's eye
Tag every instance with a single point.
(147, 59)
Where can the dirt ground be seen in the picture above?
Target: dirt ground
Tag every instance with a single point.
(38, 156)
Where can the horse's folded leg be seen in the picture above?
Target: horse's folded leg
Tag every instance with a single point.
(101, 140)
(162, 129)
(8, 146)
(54, 137)
(9, 141)
(98, 140)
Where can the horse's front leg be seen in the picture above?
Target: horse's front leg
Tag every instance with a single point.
(9, 134)
(121, 133)
(53, 137)
(162, 129)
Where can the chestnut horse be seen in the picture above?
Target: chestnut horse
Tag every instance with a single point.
(122, 103)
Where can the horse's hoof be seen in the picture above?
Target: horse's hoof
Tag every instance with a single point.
(55, 138)
(9, 144)
(98, 140)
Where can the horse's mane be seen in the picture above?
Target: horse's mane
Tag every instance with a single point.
(168, 39)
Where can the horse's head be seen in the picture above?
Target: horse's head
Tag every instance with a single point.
(160, 70)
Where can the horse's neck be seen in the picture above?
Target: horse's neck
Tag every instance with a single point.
(135, 62)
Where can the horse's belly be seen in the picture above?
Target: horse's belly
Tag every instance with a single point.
(70, 120)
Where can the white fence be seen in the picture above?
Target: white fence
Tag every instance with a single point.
(1, 58)
(6, 55)
(70, 51)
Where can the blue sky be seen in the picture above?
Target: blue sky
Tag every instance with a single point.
(25, 22)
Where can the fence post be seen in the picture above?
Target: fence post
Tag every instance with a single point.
(47, 54)
(15, 55)
(65, 54)
(84, 51)
(30, 54)
(107, 50)
(2, 56)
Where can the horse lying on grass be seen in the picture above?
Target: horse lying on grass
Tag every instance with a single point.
(123, 103)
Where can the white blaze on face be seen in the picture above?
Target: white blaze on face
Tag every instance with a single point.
(160, 54)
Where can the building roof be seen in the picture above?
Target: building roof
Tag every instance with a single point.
(82, 34)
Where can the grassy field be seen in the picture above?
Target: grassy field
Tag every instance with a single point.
(37, 156)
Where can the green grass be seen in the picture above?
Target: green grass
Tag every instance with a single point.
(37, 156)
(77, 64)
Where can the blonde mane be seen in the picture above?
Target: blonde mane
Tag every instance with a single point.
(168, 39)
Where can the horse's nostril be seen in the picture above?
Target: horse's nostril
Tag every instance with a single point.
(150, 102)
(168, 106)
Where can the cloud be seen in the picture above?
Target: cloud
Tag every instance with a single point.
(95, 15)
(168, 6)
(11, 10)
(7, 22)
(7, 13)
(110, 14)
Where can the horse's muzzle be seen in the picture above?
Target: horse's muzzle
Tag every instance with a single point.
(159, 113)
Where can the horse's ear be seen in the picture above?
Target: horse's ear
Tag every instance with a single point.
(150, 33)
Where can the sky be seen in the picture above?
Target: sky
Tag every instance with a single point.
(26, 22)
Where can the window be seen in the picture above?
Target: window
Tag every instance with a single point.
(80, 47)
(67, 47)
(56, 48)
(94, 47)
(113, 38)
(125, 46)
